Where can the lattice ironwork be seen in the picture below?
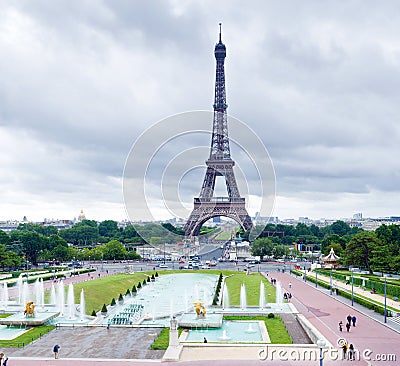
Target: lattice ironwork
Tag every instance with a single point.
(219, 163)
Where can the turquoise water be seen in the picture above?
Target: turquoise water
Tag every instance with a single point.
(169, 295)
(231, 331)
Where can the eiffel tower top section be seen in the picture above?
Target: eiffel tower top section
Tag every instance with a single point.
(220, 140)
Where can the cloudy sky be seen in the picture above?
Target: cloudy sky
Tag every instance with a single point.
(317, 81)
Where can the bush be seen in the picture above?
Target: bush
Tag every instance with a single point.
(120, 298)
(139, 285)
(152, 277)
(104, 309)
(148, 279)
(271, 315)
(94, 313)
(156, 274)
(113, 303)
(134, 290)
(128, 292)
(144, 282)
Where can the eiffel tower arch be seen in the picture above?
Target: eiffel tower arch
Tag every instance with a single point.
(219, 163)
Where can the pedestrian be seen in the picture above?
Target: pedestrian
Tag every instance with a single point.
(108, 324)
(205, 340)
(351, 352)
(340, 326)
(354, 319)
(2, 359)
(348, 325)
(290, 285)
(344, 348)
(56, 350)
(348, 319)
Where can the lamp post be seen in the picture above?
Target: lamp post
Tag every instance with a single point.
(352, 288)
(316, 277)
(330, 290)
(384, 293)
(321, 343)
(305, 274)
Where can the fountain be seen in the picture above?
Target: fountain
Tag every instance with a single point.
(5, 295)
(262, 296)
(250, 328)
(224, 336)
(71, 302)
(225, 298)
(82, 309)
(53, 300)
(243, 299)
(279, 297)
(61, 297)
(19, 285)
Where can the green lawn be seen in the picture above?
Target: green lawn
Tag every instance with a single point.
(223, 235)
(252, 284)
(102, 290)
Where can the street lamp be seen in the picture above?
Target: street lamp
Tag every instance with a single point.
(305, 274)
(352, 288)
(331, 283)
(316, 276)
(321, 343)
(384, 293)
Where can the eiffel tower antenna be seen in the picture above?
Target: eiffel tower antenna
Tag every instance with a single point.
(219, 163)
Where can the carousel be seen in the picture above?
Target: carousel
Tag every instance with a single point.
(331, 260)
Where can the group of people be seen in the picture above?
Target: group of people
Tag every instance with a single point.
(348, 351)
(351, 320)
(287, 296)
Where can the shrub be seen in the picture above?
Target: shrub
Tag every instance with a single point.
(134, 290)
(156, 274)
(128, 292)
(144, 282)
(148, 279)
(94, 313)
(113, 303)
(104, 309)
(139, 285)
(120, 298)
(271, 315)
(152, 277)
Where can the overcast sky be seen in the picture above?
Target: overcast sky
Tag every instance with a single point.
(317, 81)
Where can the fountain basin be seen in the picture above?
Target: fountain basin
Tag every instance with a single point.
(190, 320)
(231, 331)
(39, 318)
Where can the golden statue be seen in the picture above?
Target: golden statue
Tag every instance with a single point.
(200, 309)
(29, 309)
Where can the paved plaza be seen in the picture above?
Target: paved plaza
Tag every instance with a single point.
(126, 346)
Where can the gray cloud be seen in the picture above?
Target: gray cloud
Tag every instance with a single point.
(317, 82)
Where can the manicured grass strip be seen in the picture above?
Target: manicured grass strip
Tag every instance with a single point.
(162, 341)
(28, 337)
(252, 285)
(102, 290)
(275, 326)
(5, 315)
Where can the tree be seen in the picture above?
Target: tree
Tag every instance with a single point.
(337, 248)
(262, 247)
(114, 250)
(330, 240)
(60, 252)
(4, 238)
(359, 249)
(108, 228)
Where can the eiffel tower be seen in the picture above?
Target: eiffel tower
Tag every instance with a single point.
(219, 163)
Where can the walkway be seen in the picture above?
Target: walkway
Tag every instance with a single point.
(325, 312)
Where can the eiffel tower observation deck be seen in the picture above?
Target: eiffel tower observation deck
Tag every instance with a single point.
(219, 163)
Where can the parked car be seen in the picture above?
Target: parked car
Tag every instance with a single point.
(162, 265)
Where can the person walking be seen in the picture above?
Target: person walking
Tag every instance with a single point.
(340, 326)
(290, 285)
(205, 340)
(351, 352)
(348, 325)
(349, 319)
(344, 348)
(56, 350)
(354, 319)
